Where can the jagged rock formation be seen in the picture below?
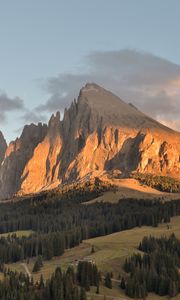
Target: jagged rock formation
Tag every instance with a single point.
(42, 170)
(3, 147)
(98, 133)
(16, 157)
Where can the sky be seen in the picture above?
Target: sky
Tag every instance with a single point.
(49, 49)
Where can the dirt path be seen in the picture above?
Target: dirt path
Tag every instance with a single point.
(26, 270)
(106, 297)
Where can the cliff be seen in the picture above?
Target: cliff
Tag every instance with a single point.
(98, 133)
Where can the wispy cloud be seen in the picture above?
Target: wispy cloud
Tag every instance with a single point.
(149, 82)
(8, 104)
(32, 116)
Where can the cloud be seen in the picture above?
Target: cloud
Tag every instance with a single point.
(133, 67)
(149, 82)
(62, 90)
(33, 117)
(8, 104)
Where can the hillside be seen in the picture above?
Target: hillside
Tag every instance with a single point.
(131, 188)
(57, 227)
(110, 253)
(99, 132)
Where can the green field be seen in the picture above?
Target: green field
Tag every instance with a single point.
(110, 252)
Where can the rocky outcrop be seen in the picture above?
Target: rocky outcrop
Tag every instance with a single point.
(17, 156)
(98, 133)
(42, 169)
(3, 147)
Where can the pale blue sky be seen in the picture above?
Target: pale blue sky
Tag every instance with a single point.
(40, 39)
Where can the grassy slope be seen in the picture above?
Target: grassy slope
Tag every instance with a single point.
(112, 249)
(110, 252)
(19, 233)
(131, 188)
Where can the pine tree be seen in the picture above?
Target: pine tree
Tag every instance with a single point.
(123, 284)
(83, 294)
(92, 249)
(38, 264)
(41, 282)
(108, 281)
(173, 290)
(162, 287)
(97, 290)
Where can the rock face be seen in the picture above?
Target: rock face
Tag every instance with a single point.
(42, 169)
(98, 133)
(3, 147)
(17, 155)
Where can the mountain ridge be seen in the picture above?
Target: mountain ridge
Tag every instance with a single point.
(127, 109)
(99, 132)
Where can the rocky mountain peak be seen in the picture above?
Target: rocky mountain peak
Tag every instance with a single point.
(54, 120)
(33, 132)
(113, 110)
(99, 133)
(54, 125)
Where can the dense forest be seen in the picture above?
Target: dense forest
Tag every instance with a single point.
(68, 285)
(162, 183)
(61, 220)
(61, 286)
(60, 223)
(156, 270)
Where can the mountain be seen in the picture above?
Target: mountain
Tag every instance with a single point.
(3, 147)
(98, 133)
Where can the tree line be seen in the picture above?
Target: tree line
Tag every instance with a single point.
(162, 183)
(61, 286)
(88, 275)
(60, 224)
(68, 285)
(156, 270)
(14, 248)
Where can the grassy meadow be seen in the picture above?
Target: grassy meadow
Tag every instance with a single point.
(19, 233)
(110, 253)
